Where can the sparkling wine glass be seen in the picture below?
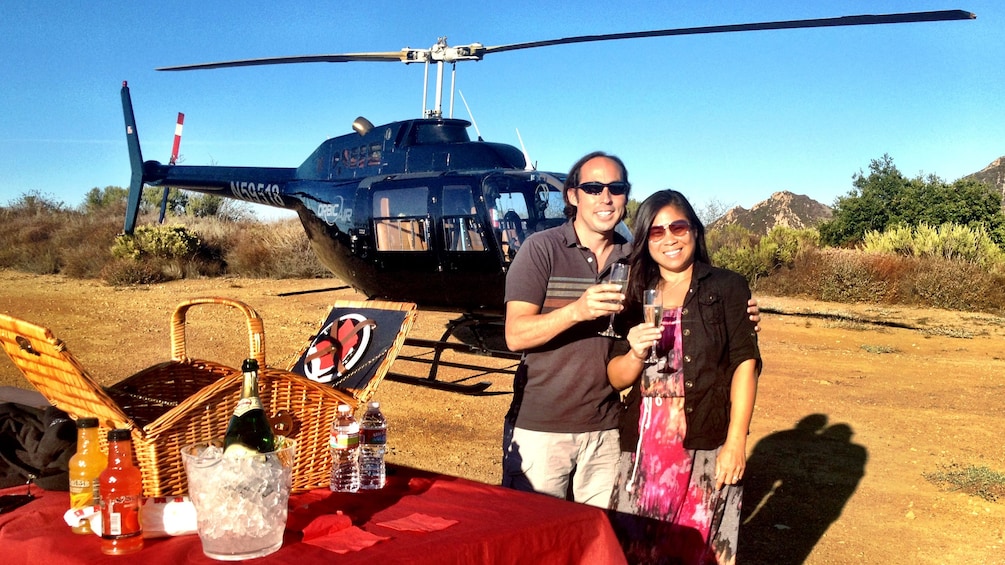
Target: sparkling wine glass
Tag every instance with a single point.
(652, 311)
(619, 276)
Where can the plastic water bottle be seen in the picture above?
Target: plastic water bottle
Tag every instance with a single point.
(373, 441)
(344, 447)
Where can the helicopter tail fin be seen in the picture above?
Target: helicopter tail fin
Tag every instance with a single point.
(135, 162)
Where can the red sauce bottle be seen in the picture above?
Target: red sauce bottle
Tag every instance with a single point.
(121, 488)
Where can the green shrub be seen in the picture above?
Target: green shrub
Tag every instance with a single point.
(737, 249)
(974, 480)
(952, 242)
(165, 242)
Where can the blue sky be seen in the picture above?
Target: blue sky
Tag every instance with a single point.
(726, 117)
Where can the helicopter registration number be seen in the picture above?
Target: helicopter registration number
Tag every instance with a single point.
(260, 192)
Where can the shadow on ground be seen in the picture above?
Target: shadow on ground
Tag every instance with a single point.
(796, 484)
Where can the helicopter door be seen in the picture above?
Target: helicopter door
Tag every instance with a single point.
(461, 229)
(466, 245)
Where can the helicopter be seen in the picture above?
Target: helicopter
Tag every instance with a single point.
(416, 210)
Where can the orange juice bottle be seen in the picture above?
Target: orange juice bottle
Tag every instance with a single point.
(85, 467)
(121, 490)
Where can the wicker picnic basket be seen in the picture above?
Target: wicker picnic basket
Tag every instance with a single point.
(184, 400)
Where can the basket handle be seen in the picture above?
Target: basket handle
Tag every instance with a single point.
(256, 328)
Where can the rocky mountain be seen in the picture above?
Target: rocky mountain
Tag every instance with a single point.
(994, 175)
(798, 211)
(782, 209)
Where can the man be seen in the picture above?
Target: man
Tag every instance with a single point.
(565, 414)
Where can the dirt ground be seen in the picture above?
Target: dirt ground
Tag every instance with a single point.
(855, 404)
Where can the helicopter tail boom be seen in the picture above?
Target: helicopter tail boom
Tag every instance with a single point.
(258, 185)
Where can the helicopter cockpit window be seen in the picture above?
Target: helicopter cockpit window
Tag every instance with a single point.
(461, 231)
(399, 218)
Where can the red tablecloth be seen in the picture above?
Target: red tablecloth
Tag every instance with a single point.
(494, 525)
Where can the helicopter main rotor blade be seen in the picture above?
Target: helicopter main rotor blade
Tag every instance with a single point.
(909, 17)
(402, 56)
(442, 53)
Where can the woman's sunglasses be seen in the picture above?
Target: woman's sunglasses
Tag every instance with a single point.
(677, 228)
(594, 188)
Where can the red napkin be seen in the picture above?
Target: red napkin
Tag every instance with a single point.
(417, 522)
(335, 532)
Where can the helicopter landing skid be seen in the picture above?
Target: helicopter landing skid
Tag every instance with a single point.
(476, 324)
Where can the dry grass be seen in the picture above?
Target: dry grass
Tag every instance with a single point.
(42, 237)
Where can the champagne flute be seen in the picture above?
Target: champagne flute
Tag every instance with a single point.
(652, 311)
(619, 276)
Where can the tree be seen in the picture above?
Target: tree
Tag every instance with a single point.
(867, 206)
(630, 209)
(712, 210)
(104, 198)
(177, 200)
(885, 198)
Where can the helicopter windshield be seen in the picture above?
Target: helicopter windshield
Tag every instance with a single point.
(522, 203)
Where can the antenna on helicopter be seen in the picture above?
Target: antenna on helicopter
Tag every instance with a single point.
(526, 156)
(470, 115)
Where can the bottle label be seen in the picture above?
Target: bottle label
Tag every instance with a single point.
(246, 404)
(344, 441)
(81, 493)
(374, 436)
(120, 517)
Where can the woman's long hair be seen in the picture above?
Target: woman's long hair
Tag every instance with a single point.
(645, 273)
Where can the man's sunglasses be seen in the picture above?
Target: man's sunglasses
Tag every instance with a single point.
(594, 188)
(677, 228)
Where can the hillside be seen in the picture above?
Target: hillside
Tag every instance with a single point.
(994, 175)
(782, 209)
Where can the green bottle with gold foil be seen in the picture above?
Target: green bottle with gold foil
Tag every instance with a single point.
(249, 431)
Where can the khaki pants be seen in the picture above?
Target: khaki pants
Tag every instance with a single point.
(558, 464)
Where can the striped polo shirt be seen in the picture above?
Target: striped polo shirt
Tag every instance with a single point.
(566, 389)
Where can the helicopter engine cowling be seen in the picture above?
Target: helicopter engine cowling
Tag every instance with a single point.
(463, 156)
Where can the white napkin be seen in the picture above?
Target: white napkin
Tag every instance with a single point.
(160, 517)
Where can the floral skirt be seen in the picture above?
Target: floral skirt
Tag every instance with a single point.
(665, 507)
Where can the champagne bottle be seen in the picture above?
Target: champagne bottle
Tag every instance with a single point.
(249, 431)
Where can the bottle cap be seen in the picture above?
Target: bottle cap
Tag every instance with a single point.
(119, 434)
(87, 422)
(374, 404)
(344, 408)
(249, 365)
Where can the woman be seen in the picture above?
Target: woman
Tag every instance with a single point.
(677, 496)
